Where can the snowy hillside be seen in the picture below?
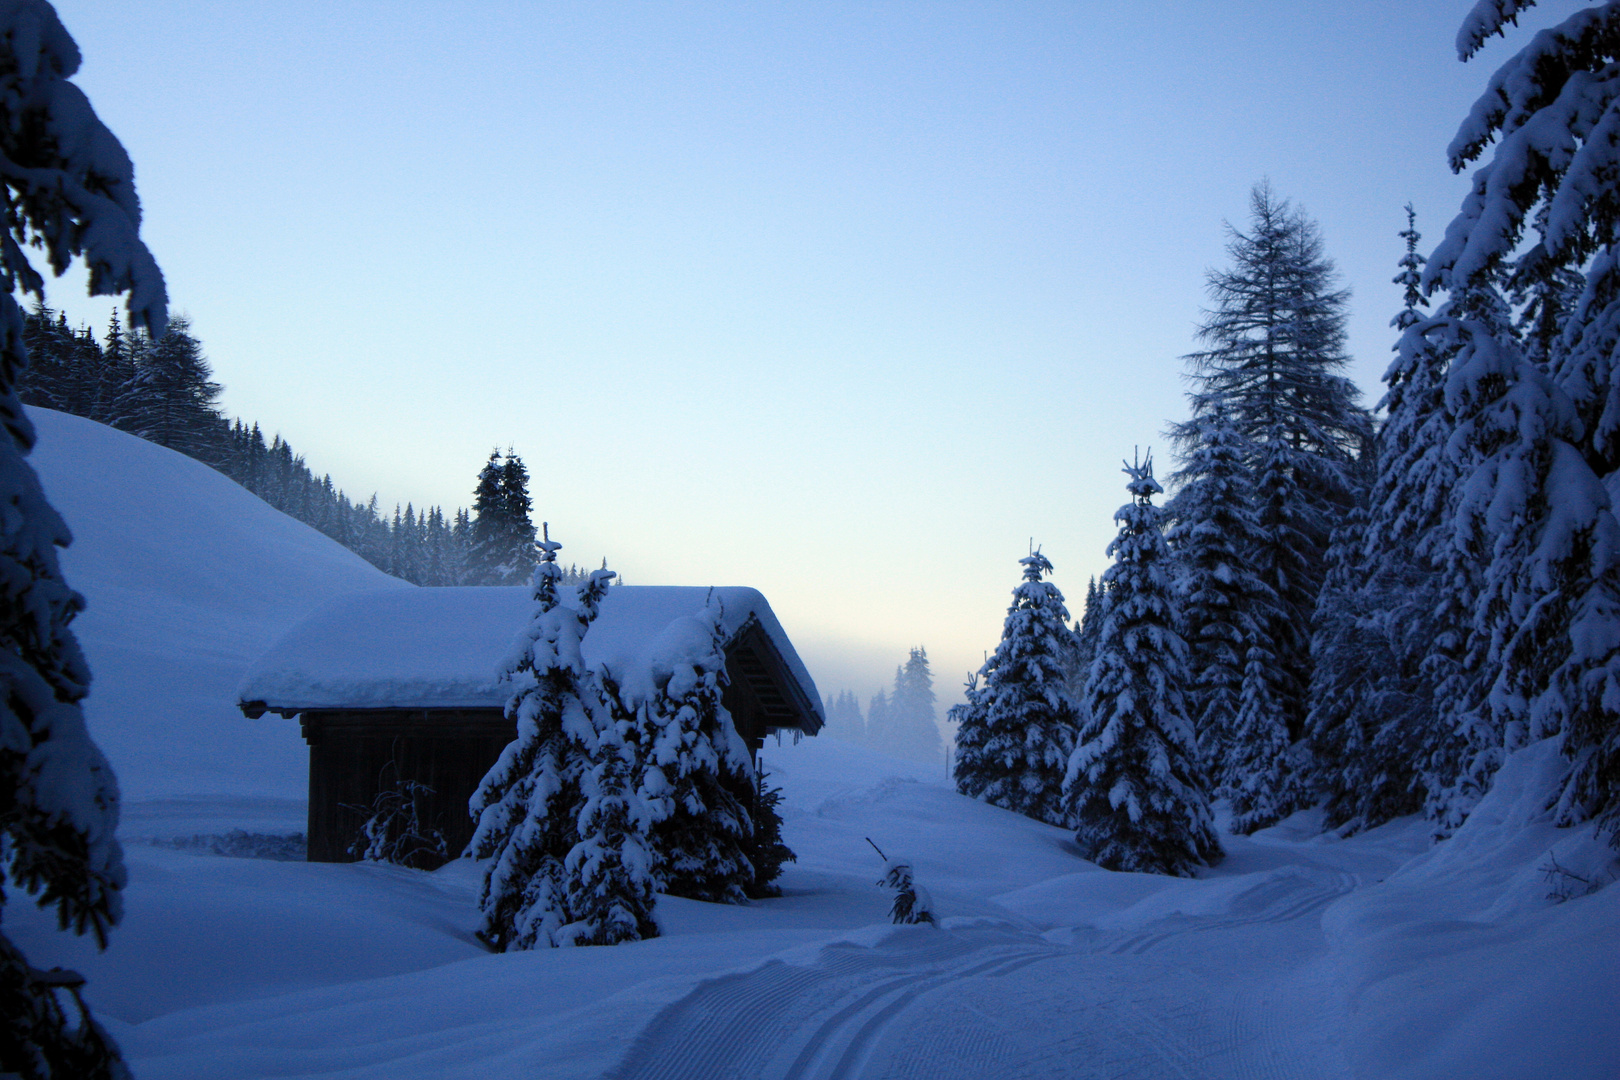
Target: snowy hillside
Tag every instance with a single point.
(1375, 958)
(189, 578)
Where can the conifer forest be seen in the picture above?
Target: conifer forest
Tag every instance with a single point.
(162, 389)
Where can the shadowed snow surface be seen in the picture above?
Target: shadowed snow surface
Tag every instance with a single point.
(189, 578)
(1300, 956)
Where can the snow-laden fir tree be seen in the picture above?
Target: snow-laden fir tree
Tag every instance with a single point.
(484, 532)
(612, 871)
(1228, 611)
(515, 509)
(501, 548)
(113, 402)
(175, 397)
(1086, 632)
(1259, 770)
(1272, 369)
(844, 720)
(528, 804)
(1372, 706)
(905, 727)
(764, 848)
(1541, 449)
(1014, 737)
(1420, 586)
(699, 779)
(912, 903)
(877, 716)
(70, 192)
(968, 730)
(1537, 521)
(1134, 792)
(1372, 726)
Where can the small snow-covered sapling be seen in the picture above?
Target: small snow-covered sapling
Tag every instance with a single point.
(394, 832)
(912, 904)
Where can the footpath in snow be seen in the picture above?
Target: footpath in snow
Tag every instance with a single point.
(1378, 957)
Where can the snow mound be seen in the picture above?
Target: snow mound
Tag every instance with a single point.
(1480, 957)
(188, 578)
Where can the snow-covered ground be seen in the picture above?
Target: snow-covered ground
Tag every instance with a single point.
(1300, 956)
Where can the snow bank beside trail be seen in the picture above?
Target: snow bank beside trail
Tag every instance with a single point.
(1460, 964)
(836, 795)
(189, 578)
(206, 929)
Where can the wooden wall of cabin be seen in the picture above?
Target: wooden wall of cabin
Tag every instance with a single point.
(353, 756)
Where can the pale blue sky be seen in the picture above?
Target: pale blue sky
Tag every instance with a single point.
(843, 302)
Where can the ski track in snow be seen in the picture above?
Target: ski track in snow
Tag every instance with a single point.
(993, 1000)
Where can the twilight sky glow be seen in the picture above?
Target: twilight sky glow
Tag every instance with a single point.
(846, 302)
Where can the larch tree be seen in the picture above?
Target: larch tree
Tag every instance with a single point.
(1272, 369)
(1014, 738)
(1134, 792)
(70, 194)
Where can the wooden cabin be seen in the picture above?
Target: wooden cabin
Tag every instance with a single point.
(404, 685)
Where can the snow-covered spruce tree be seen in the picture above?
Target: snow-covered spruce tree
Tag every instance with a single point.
(970, 731)
(114, 395)
(1535, 521)
(1133, 791)
(1260, 770)
(53, 352)
(1544, 449)
(519, 555)
(912, 904)
(1371, 701)
(909, 730)
(486, 531)
(764, 848)
(528, 804)
(877, 717)
(1425, 583)
(1271, 368)
(699, 780)
(1086, 632)
(613, 871)
(844, 720)
(175, 395)
(70, 193)
(1013, 743)
(1228, 611)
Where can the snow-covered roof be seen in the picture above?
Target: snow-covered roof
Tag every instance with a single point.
(442, 648)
